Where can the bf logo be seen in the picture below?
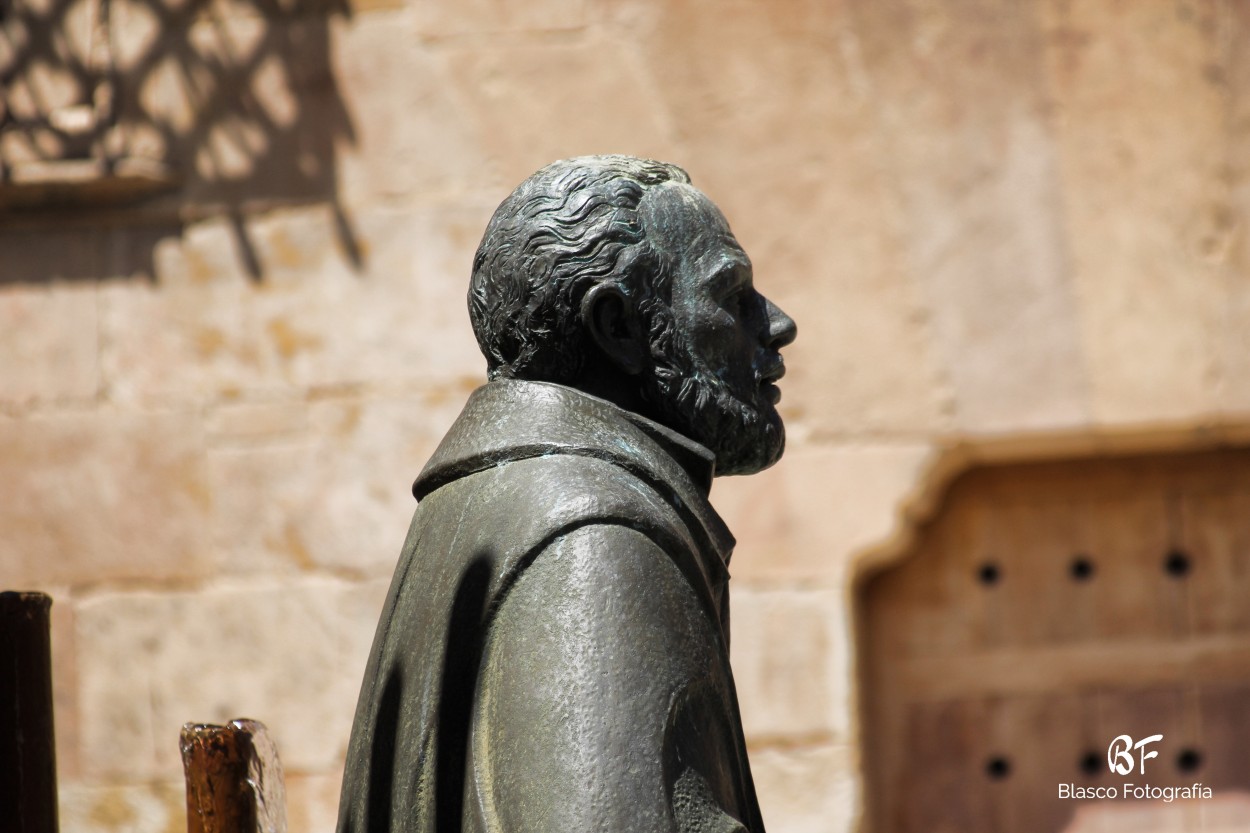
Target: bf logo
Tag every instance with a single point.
(1120, 753)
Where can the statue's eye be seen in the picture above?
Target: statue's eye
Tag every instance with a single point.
(747, 302)
(737, 303)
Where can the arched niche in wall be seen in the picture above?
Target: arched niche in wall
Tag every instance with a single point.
(1044, 610)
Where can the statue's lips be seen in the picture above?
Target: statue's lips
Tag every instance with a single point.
(769, 379)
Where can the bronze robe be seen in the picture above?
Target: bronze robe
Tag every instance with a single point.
(553, 654)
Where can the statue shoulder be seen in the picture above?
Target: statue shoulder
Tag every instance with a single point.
(523, 504)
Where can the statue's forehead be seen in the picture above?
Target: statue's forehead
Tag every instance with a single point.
(678, 215)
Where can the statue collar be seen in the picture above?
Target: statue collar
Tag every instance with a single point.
(510, 420)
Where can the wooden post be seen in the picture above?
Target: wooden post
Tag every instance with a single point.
(234, 779)
(27, 738)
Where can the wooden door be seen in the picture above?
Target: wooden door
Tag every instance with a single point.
(1046, 610)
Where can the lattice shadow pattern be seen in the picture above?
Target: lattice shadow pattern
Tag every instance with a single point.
(156, 112)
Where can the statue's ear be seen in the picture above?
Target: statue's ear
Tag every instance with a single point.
(611, 320)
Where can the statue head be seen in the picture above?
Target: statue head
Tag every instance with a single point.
(614, 275)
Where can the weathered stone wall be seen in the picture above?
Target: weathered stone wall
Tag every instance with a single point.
(1004, 228)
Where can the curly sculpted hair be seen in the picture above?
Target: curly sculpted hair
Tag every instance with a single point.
(567, 228)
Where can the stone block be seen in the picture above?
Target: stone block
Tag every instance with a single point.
(336, 494)
(164, 347)
(257, 494)
(402, 320)
(1140, 129)
(819, 217)
(862, 363)
(192, 333)
(1228, 244)
(1234, 382)
(807, 790)
(288, 654)
(205, 331)
(362, 6)
(413, 135)
(248, 424)
(807, 517)
(444, 18)
(787, 649)
(538, 100)
(158, 807)
(103, 496)
(967, 130)
(726, 81)
(48, 352)
(205, 253)
(312, 802)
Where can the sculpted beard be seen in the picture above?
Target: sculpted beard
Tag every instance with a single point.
(742, 428)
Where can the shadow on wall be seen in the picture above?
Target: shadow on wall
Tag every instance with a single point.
(122, 120)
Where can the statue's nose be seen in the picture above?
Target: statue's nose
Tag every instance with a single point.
(781, 328)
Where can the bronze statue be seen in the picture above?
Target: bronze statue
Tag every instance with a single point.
(554, 650)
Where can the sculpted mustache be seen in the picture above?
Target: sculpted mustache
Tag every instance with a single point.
(772, 371)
